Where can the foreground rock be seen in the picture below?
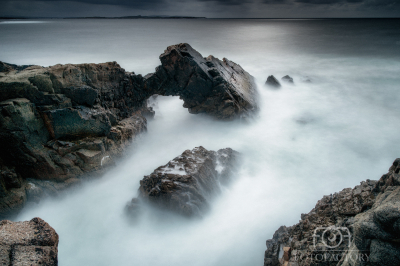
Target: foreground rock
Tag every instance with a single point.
(354, 227)
(272, 82)
(187, 183)
(32, 242)
(222, 89)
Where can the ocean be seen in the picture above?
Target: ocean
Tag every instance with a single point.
(309, 139)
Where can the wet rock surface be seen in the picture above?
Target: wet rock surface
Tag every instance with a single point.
(32, 242)
(355, 227)
(188, 182)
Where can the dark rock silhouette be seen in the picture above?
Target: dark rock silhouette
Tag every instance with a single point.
(273, 82)
(221, 89)
(288, 79)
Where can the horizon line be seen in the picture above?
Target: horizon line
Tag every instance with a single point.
(186, 17)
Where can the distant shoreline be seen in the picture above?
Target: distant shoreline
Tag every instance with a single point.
(128, 17)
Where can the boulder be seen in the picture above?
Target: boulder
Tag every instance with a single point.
(186, 184)
(222, 89)
(272, 82)
(32, 242)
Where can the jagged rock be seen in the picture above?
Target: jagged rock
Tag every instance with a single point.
(63, 122)
(32, 242)
(367, 218)
(287, 79)
(206, 85)
(273, 82)
(377, 231)
(41, 107)
(34, 154)
(120, 92)
(187, 183)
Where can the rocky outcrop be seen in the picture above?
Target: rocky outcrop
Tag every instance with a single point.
(272, 82)
(187, 183)
(32, 242)
(357, 227)
(221, 89)
(62, 122)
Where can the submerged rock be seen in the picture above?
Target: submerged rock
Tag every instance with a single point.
(288, 79)
(32, 242)
(220, 88)
(306, 79)
(273, 82)
(355, 227)
(187, 183)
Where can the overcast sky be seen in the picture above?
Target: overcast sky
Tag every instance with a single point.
(204, 8)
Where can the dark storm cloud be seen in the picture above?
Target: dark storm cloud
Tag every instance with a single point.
(328, 2)
(139, 4)
(228, 2)
(275, 1)
(208, 8)
(245, 2)
(383, 3)
(365, 3)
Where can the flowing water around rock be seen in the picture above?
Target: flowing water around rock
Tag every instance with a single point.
(309, 139)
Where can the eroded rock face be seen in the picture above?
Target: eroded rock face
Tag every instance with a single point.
(367, 218)
(221, 89)
(32, 242)
(69, 121)
(187, 183)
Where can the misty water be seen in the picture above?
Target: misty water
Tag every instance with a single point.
(309, 139)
